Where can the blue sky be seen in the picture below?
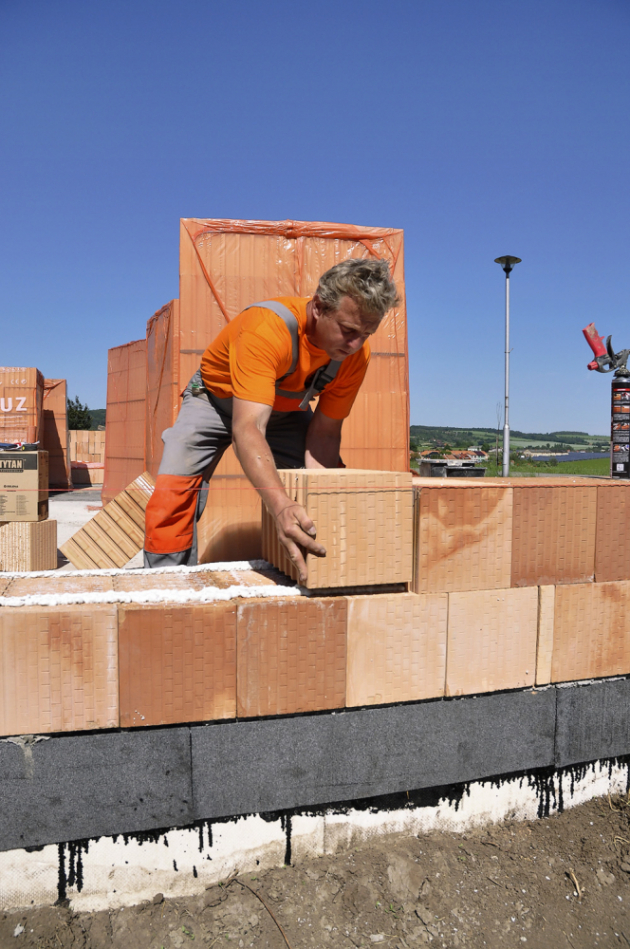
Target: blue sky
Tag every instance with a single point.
(481, 128)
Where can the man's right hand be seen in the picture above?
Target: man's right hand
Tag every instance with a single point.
(296, 533)
(295, 528)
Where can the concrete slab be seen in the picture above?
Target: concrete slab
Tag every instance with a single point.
(593, 722)
(72, 787)
(251, 767)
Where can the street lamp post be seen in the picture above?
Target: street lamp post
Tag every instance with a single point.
(507, 263)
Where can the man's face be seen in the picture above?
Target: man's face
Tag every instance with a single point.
(341, 332)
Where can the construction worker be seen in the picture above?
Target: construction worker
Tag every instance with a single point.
(253, 390)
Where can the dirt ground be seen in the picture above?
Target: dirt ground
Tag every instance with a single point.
(561, 882)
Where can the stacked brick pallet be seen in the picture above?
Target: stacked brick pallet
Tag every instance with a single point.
(515, 584)
(224, 267)
(87, 457)
(56, 436)
(28, 540)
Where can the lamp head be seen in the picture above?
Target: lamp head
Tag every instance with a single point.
(507, 263)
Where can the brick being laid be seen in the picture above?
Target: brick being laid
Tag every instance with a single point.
(363, 519)
(491, 642)
(396, 648)
(59, 669)
(291, 655)
(590, 636)
(463, 535)
(115, 534)
(177, 663)
(553, 538)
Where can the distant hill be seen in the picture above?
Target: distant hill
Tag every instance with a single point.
(98, 418)
(431, 434)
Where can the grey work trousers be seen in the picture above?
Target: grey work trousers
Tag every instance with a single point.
(197, 441)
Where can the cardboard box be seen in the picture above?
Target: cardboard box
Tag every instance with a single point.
(291, 655)
(491, 640)
(28, 545)
(59, 670)
(463, 536)
(21, 404)
(396, 648)
(115, 534)
(590, 631)
(363, 519)
(177, 663)
(23, 485)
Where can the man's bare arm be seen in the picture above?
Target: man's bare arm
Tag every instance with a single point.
(294, 526)
(322, 441)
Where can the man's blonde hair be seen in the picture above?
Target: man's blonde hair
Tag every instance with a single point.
(367, 282)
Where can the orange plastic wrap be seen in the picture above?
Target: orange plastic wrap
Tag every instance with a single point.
(163, 386)
(227, 265)
(21, 404)
(125, 418)
(55, 440)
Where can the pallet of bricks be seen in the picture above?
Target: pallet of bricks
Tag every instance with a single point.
(28, 539)
(225, 266)
(87, 457)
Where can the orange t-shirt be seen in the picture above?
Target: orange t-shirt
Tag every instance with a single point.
(254, 350)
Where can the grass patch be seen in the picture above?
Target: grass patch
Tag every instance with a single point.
(591, 466)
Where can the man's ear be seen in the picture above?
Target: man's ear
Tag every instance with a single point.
(317, 308)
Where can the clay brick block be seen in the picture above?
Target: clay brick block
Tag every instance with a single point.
(177, 663)
(590, 637)
(363, 519)
(59, 669)
(463, 536)
(28, 545)
(396, 648)
(553, 538)
(612, 543)
(39, 586)
(544, 649)
(115, 534)
(140, 581)
(491, 640)
(291, 655)
(229, 528)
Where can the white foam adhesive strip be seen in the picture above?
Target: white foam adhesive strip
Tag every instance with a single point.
(141, 571)
(172, 597)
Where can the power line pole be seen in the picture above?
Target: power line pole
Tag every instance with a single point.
(507, 264)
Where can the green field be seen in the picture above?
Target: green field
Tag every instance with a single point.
(593, 466)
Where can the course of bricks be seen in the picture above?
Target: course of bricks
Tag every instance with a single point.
(515, 584)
